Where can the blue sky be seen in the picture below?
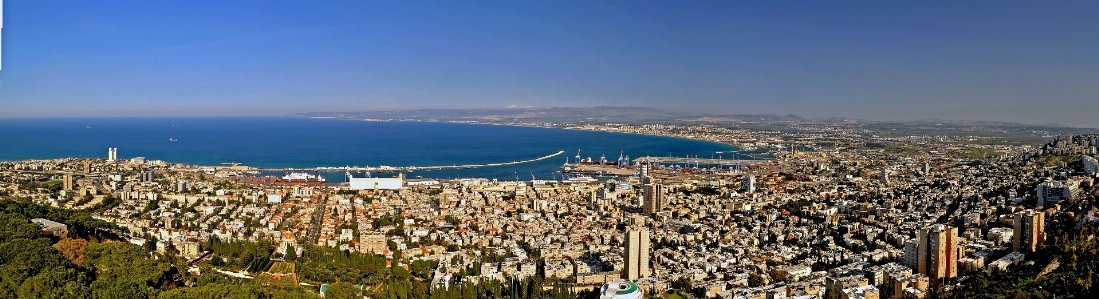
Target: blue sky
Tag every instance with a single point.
(1032, 62)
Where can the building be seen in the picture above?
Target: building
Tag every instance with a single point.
(148, 176)
(1051, 192)
(861, 292)
(274, 198)
(938, 252)
(795, 272)
(911, 254)
(654, 199)
(373, 242)
(637, 253)
(377, 183)
(620, 289)
(68, 182)
(643, 173)
(188, 248)
(749, 184)
(1008, 260)
(1091, 165)
(112, 154)
(1029, 231)
(51, 228)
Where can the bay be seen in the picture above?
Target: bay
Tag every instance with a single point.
(279, 142)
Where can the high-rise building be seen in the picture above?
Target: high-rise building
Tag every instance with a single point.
(112, 154)
(884, 176)
(654, 199)
(637, 253)
(926, 168)
(911, 254)
(1029, 231)
(148, 176)
(749, 184)
(68, 182)
(938, 252)
(87, 167)
(643, 173)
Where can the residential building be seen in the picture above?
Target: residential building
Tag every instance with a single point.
(938, 252)
(637, 253)
(1029, 231)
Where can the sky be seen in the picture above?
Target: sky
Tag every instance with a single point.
(1029, 62)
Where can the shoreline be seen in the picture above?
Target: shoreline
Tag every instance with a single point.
(739, 148)
(689, 145)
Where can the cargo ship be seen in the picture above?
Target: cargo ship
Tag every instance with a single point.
(623, 160)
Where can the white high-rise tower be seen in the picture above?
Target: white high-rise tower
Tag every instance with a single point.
(112, 154)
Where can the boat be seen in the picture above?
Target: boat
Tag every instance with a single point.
(301, 176)
(172, 139)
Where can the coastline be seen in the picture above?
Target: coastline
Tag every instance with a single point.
(739, 148)
(305, 143)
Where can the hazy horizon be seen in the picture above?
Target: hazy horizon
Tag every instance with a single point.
(1025, 62)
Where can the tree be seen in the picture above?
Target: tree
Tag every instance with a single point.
(291, 253)
(16, 226)
(215, 291)
(72, 249)
(122, 289)
(29, 256)
(56, 282)
(342, 290)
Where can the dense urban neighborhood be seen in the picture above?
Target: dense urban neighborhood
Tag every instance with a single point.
(823, 210)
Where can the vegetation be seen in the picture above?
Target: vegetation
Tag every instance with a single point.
(1050, 161)
(907, 150)
(1076, 252)
(33, 265)
(980, 153)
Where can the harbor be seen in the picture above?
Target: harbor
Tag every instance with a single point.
(384, 168)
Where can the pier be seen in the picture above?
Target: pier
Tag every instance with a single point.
(414, 168)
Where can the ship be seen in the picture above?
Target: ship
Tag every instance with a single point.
(300, 179)
(301, 176)
(172, 139)
(602, 161)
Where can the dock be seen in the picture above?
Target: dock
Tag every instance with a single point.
(699, 161)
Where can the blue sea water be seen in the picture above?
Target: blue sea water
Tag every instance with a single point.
(273, 142)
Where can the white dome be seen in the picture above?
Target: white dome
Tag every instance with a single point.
(620, 289)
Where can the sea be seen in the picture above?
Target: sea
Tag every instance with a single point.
(295, 142)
